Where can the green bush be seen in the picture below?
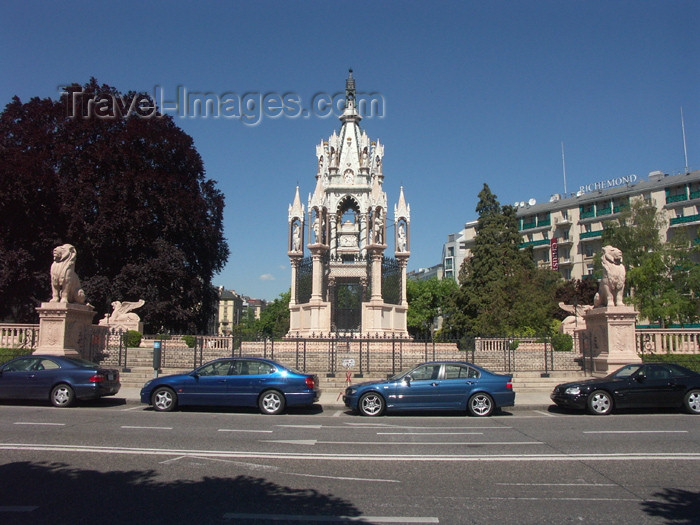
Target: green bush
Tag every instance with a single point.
(133, 338)
(7, 354)
(562, 343)
(514, 344)
(691, 361)
(189, 340)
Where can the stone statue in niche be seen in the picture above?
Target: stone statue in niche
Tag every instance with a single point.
(65, 285)
(296, 238)
(612, 285)
(378, 228)
(401, 242)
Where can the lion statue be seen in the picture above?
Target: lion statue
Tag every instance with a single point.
(612, 285)
(65, 285)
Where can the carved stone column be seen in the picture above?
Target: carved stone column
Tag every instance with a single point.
(62, 327)
(612, 332)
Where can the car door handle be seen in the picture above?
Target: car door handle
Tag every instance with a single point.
(434, 384)
(471, 382)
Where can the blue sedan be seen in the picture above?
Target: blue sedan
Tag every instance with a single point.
(434, 386)
(244, 382)
(58, 379)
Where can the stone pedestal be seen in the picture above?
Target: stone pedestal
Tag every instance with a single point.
(612, 333)
(63, 327)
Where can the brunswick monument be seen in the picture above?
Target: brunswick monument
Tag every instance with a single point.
(346, 284)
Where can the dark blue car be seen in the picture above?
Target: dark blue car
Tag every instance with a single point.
(243, 381)
(58, 379)
(434, 386)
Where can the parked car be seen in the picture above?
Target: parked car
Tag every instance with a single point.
(434, 386)
(633, 386)
(245, 382)
(58, 379)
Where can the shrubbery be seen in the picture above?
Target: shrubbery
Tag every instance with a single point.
(133, 339)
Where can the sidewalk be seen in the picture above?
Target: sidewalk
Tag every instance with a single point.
(335, 398)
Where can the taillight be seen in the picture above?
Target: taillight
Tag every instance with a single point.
(310, 383)
(98, 378)
(509, 385)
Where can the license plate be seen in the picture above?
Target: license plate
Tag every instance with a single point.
(110, 377)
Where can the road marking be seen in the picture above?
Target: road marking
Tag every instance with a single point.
(307, 518)
(133, 408)
(430, 433)
(244, 430)
(342, 478)
(338, 413)
(146, 428)
(632, 456)
(635, 431)
(557, 484)
(393, 443)
(17, 508)
(544, 413)
(41, 424)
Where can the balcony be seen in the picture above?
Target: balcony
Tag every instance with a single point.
(676, 198)
(563, 221)
(695, 194)
(587, 214)
(565, 242)
(591, 235)
(685, 220)
(566, 262)
(535, 244)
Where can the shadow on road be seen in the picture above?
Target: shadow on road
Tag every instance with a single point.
(62, 494)
(676, 506)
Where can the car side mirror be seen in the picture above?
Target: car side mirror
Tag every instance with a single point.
(640, 378)
(407, 380)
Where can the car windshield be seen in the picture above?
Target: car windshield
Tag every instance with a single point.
(82, 363)
(624, 372)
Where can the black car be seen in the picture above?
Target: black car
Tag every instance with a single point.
(647, 385)
(59, 379)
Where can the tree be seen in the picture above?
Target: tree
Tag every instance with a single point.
(501, 292)
(662, 278)
(425, 302)
(274, 319)
(126, 188)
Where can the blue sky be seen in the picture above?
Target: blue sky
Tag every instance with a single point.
(473, 92)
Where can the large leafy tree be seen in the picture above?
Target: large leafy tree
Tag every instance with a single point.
(426, 299)
(663, 279)
(501, 292)
(127, 189)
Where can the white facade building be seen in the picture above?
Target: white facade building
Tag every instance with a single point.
(565, 233)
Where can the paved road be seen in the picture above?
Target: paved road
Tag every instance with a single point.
(118, 462)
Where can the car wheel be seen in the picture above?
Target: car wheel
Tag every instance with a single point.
(600, 403)
(480, 405)
(62, 395)
(691, 401)
(371, 404)
(164, 399)
(271, 402)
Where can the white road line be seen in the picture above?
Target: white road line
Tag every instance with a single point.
(40, 424)
(394, 443)
(17, 508)
(430, 433)
(133, 408)
(146, 428)
(635, 431)
(244, 430)
(338, 413)
(632, 456)
(544, 413)
(308, 518)
(342, 478)
(557, 484)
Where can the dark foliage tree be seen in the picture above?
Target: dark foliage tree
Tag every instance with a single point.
(576, 292)
(127, 188)
(501, 292)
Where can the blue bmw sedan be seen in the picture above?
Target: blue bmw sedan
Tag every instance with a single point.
(244, 382)
(59, 379)
(434, 386)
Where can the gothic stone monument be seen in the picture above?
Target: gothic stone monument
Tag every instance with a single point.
(610, 324)
(347, 284)
(64, 318)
